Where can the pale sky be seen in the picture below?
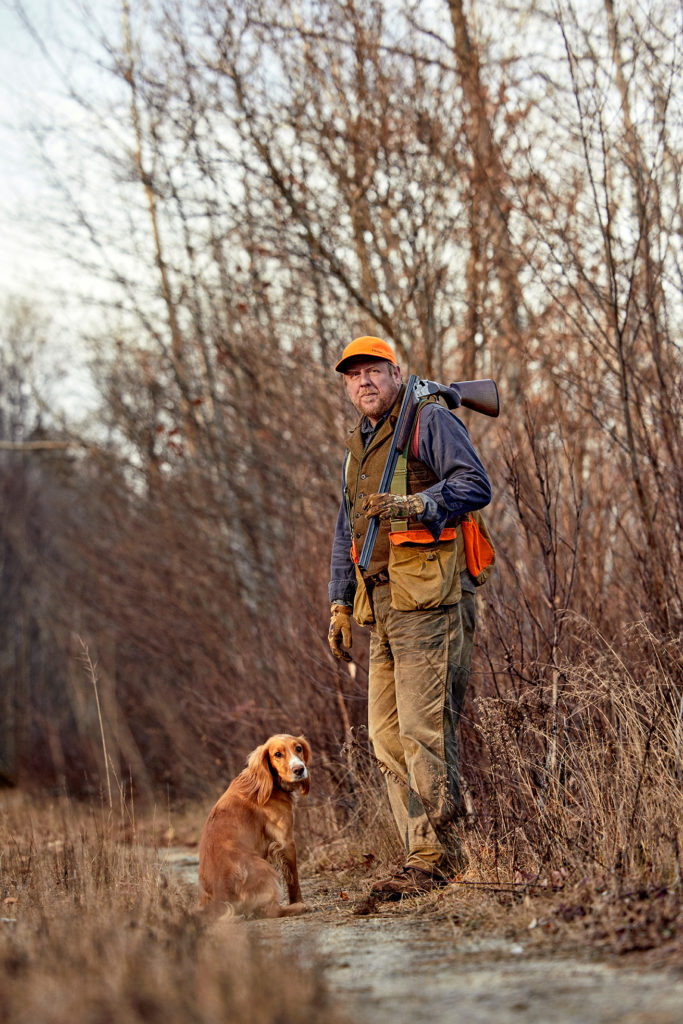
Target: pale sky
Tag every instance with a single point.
(19, 68)
(31, 93)
(30, 266)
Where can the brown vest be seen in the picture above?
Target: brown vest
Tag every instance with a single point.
(364, 470)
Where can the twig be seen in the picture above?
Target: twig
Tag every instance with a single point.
(38, 446)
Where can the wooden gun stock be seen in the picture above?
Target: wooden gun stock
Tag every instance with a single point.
(480, 395)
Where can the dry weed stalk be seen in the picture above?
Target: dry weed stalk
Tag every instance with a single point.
(92, 672)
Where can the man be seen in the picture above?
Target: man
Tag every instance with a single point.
(418, 597)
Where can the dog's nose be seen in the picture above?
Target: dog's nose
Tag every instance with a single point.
(300, 771)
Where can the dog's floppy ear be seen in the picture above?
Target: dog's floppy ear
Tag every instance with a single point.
(307, 757)
(260, 779)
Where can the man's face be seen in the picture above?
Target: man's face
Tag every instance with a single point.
(372, 385)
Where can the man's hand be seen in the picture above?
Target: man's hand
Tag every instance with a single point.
(393, 506)
(340, 631)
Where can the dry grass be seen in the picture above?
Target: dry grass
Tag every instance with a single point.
(611, 805)
(93, 931)
(588, 847)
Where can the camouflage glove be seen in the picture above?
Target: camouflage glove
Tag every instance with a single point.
(340, 631)
(394, 506)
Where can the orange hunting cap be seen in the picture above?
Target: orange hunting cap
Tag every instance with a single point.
(366, 346)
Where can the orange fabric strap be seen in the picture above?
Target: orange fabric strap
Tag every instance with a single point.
(420, 536)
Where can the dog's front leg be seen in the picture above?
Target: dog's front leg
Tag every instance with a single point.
(287, 862)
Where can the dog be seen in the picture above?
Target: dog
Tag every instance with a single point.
(252, 824)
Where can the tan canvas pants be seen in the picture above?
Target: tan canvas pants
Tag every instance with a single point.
(419, 667)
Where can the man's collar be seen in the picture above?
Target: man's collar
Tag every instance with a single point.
(366, 427)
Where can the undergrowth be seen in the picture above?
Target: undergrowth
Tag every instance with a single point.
(583, 833)
(602, 800)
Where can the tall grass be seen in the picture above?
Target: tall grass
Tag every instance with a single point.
(93, 931)
(608, 805)
(611, 803)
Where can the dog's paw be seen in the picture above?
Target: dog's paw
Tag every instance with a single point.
(294, 909)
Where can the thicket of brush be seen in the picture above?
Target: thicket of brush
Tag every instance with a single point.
(603, 802)
(604, 796)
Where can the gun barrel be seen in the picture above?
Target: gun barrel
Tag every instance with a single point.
(401, 435)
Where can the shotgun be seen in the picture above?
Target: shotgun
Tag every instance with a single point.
(480, 395)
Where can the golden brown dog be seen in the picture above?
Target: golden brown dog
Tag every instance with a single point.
(252, 823)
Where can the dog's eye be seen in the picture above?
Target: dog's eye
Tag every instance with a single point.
(277, 754)
(299, 750)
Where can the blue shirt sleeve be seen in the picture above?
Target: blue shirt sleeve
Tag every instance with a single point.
(342, 585)
(444, 445)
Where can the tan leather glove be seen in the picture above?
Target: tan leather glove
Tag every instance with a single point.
(393, 506)
(340, 631)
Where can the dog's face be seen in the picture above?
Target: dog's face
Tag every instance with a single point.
(288, 757)
(281, 762)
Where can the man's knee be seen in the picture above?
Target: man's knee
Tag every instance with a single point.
(386, 745)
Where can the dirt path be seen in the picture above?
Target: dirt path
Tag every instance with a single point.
(413, 967)
(411, 970)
